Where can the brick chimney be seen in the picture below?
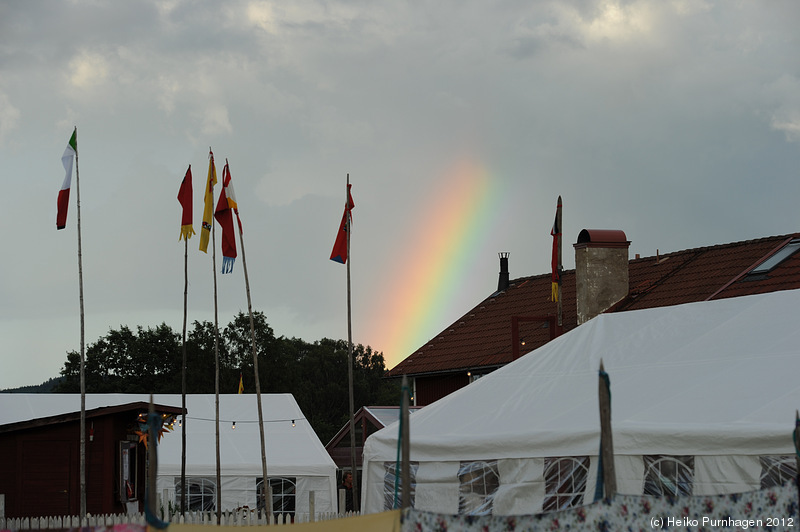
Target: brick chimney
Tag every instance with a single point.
(503, 281)
(601, 271)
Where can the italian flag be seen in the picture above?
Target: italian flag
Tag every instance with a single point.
(70, 154)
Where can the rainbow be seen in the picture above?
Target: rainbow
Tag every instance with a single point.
(456, 220)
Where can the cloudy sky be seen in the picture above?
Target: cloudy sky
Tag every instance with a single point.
(460, 123)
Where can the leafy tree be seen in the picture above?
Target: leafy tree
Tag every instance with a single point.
(149, 361)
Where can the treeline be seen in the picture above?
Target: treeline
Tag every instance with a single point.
(148, 360)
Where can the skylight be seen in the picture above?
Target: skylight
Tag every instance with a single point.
(776, 258)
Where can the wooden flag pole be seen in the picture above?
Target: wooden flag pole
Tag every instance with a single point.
(606, 440)
(183, 372)
(216, 365)
(353, 464)
(560, 264)
(797, 451)
(83, 342)
(405, 466)
(266, 486)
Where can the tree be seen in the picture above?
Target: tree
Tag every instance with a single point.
(149, 361)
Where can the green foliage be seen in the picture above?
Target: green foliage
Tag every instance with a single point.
(149, 361)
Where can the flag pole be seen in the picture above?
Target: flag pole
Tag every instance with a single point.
(83, 343)
(216, 367)
(353, 464)
(560, 264)
(183, 373)
(216, 328)
(266, 486)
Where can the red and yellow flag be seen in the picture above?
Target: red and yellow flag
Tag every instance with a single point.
(208, 210)
(185, 199)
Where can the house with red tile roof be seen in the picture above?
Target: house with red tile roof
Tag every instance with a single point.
(520, 316)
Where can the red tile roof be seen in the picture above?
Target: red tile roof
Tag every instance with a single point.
(481, 338)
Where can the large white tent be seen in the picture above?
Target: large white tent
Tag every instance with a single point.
(703, 402)
(294, 452)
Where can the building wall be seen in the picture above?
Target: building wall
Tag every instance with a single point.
(430, 389)
(40, 468)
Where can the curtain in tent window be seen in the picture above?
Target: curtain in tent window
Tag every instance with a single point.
(565, 482)
(777, 470)
(478, 485)
(390, 475)
(668, 475)
(201, 493)
(284, 494)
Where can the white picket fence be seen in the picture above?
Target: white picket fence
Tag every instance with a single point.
(241, 517)
(193, 518)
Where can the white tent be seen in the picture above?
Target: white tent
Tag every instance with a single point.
(294, 453)
(703, 402)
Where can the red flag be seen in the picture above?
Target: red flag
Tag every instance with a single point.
(339, 253)
(224, 216)
(555, 276)
(185, 199)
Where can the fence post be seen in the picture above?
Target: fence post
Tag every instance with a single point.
(311, 509)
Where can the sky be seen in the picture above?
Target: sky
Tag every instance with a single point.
(459, 124)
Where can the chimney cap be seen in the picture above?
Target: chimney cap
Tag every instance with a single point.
(602, 236)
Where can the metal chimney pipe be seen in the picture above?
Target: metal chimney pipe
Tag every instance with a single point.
(503, 281)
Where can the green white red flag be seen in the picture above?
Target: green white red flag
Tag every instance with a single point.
(68, 159)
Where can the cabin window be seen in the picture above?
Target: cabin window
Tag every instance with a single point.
(284, 494)
(565, 482)
(668, 475)
(777, 470)
(201, 493)
(478, 484)
(393, 485)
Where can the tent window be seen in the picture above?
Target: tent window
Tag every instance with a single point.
(201, 493)
(777, 470)
(565, 482)
(478, 484)
(284, 493)
(668, 475)
(389, 477)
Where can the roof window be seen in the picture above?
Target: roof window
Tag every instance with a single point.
(776, 258)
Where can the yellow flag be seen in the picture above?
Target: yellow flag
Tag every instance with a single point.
(208, 210)
(241, 384)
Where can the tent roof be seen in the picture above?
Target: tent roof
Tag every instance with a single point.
(290, 450)
(717, 377)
